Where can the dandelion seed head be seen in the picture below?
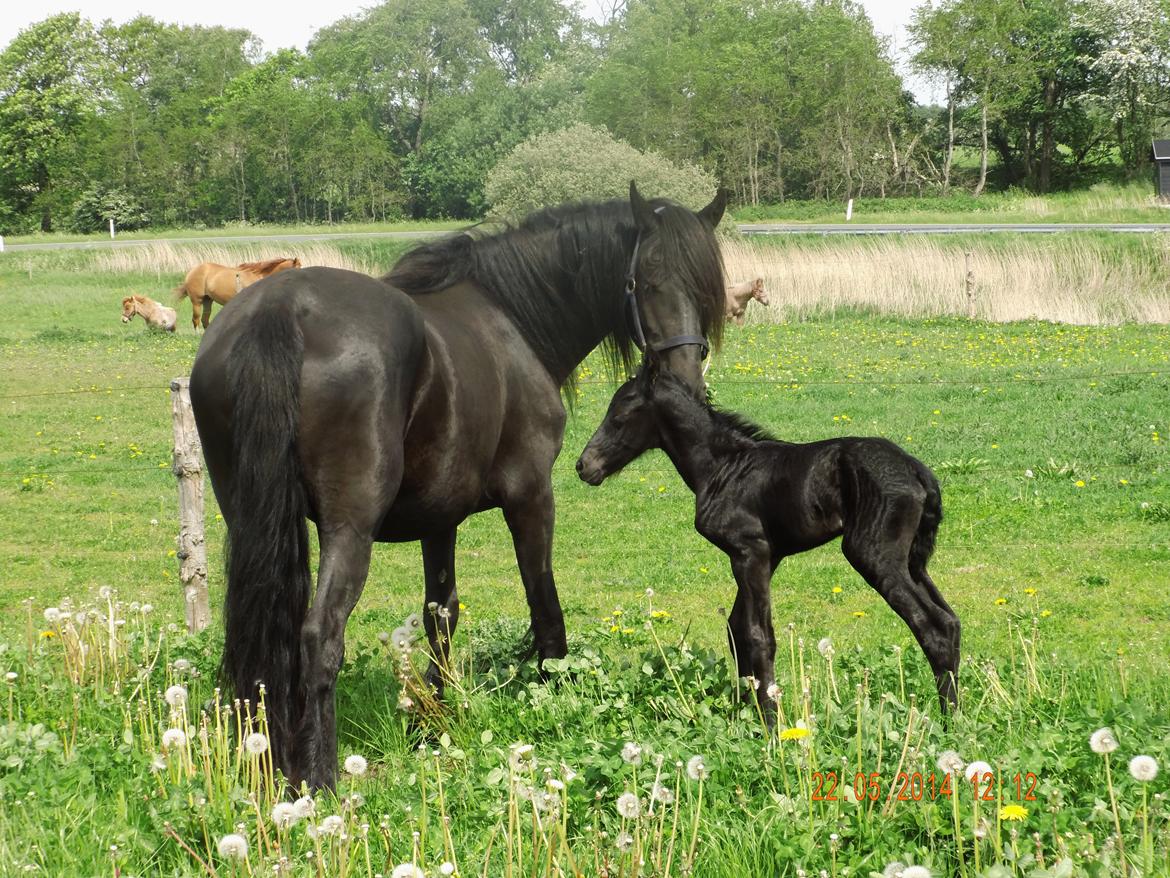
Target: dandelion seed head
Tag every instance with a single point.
(773, 691)
(1103, 741)
(521, 758)
(825, 647)
(629, 806)
(383, 637)
(413, 622)
(407, 870)
(12, 676)
(950, 762)
(662, 794)
(176, 695)
(305, 807)
(284, 814)
(1143, 768)
(977, 769)
(173, 738)
(624, 841)
(233, 847)
(331, 825)
(631, 753)
(916, 872)
(181, 665)
(447, 868)
(696, 768)
(356, 765)
(256, 744)
(52, 615)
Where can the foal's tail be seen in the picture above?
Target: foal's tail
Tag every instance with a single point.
(923, 546)
(268, 580)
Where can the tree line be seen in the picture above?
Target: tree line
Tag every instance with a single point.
(404, 110)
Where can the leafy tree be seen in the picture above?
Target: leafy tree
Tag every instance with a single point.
(48, 78)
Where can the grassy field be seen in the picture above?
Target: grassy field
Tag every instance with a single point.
(1050, 443)
(1102, 203)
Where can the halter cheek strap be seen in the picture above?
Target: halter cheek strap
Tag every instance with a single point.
(675, 341)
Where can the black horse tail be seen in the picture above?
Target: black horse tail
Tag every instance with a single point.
(268, 581)
(923, 545)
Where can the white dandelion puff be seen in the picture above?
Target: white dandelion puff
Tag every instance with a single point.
(825, 647)
(173, 738)
(12, 676)
(978, 769)
(624, 841)
(233, 847)
(629, 806)
(401, 637)
(331, 825)
(181, 665)
(662, 794)
(284, 814)
(52, 615)
(950, 762)
(520, 757)
(356, 765)
(696, 768)
(256, 743)
(894, 870)
(413, 622)
(176, 696)
(305, 807)
(447, 868)
(1102, 741)
(631, 753)
(1143, 768)
(916, 872)
(407, 870)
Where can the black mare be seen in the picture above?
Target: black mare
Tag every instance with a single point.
(760, 499)
(389, 410)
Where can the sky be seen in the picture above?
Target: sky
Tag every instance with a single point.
(281, 24)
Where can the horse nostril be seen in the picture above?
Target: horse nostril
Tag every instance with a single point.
(580, 466)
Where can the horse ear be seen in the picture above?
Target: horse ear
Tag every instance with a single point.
(643, 212)
(713, 212)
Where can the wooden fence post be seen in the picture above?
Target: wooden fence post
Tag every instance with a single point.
(187, 465)
(969, 285)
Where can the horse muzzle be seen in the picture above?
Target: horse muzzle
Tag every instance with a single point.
(125, 319)
(590, 470)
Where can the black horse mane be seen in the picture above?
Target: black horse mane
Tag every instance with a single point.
(729, 430)
(571, 261)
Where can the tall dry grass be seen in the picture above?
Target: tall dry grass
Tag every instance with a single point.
(163, 257)
(1073, 280)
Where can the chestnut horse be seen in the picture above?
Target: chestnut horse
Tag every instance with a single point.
(390, 410)
(211, 282)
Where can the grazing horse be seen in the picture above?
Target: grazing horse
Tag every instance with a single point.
(390, 410)
(211, 282)
(738, 296)
(156, 316)
(760, 499)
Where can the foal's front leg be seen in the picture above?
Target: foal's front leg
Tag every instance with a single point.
(441, 608)
(751, 563)
(530, 519)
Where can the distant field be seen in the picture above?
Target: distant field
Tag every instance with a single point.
(1049, 440)
(1103, 203)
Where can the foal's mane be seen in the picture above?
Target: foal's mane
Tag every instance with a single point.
(570, 261)
(729, 430)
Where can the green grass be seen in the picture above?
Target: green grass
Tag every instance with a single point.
(1102, 203)
(87, 500)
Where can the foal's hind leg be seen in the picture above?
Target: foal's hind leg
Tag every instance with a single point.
(441, 610)
(884, 564)
(948, 688)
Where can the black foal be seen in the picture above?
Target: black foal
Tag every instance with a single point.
(759, 499)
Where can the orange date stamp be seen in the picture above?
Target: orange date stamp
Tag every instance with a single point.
(913, 786)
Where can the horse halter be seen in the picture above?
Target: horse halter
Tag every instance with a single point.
(675, 341)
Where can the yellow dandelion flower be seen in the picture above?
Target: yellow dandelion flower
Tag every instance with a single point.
(859, 614)
(837, 589)
(704, 570)
(1044, 614)
(1030, 592)
(627, 631)
(48, 634)
(794, 734)
(1123, 482)
(999, 602)
(1013, 812)
(613, 629)
(171, 553)
(1080, 483)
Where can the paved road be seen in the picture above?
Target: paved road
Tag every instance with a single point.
(215, 239)
(746, 228)
(941, 229)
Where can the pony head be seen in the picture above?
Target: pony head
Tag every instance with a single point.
(129, 308)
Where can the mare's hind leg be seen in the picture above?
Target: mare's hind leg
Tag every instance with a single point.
(530, 519)
(196, 309)
(206, 311)
(884, 562)
(345, 562)
(441, 610)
